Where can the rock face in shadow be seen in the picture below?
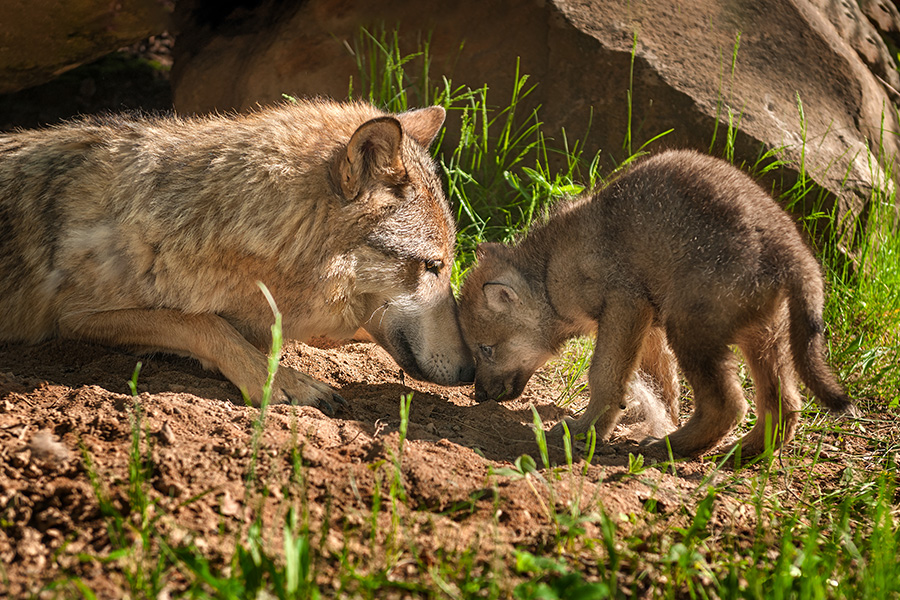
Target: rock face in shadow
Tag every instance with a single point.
(40, 39)
(579, 52)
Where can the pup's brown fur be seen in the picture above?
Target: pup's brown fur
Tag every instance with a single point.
(684, 243)
(152, 233)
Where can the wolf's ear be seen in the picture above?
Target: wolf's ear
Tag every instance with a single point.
(500, 296)
(488, 251)
(423, 124)
(372, 152)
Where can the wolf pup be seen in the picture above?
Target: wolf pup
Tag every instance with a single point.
(152, 233)
(682, 243)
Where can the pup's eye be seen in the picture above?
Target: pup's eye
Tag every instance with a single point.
(487, 351)
(434, 266)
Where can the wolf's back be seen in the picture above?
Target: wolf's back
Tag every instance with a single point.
(35, 173)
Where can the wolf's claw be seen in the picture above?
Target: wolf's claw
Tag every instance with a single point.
(326, 407)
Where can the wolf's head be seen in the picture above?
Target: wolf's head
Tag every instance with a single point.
(404, 265)
(502, 318)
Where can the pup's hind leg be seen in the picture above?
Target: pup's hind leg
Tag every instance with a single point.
(658, 363)
(719, 403)
(655, 389)
(766, 348)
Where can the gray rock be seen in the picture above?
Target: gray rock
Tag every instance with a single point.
(579, 52)
(40, 39)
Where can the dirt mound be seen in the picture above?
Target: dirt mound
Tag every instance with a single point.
(64, 406)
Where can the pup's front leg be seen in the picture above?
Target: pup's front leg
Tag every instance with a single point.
(621, 329)
(206, 337)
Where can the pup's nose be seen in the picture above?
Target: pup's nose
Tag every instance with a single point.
(480, 393)
(467, 373)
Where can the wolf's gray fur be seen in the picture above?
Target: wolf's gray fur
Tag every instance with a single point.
(152, 233)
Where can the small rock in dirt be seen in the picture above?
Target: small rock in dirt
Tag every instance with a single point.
(29, 544)
(46, 448)
(51, 518)
(169, 483)
(229, 506)
(53, 538)
(166, 435)
(19, 460)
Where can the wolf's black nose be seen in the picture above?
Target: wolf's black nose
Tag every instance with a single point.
(467, 373)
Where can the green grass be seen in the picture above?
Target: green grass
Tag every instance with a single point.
(806, 539)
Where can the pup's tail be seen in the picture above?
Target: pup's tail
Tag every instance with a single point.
(805, 303)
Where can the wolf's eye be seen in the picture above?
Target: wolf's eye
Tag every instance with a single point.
(486, 351)
(434, 266)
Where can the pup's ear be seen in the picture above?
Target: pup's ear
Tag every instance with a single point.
(372, 153)
(489, 251)
(423, 124)
(500, 296)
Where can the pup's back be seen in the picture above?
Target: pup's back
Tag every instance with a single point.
(686, 222)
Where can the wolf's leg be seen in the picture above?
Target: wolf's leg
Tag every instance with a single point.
(719, 402)
(766, 348)
(620, 335)
(207, 337)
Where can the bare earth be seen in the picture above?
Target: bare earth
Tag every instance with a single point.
(199, 440)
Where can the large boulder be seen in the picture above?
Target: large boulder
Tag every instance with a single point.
(39, 39)
(580, 54)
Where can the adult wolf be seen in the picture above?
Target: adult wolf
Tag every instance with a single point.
(682, 245)
(152, 233)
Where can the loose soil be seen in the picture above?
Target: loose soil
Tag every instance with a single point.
(64, 405)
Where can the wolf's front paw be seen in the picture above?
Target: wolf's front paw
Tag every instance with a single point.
(293, 387)
(558, 431)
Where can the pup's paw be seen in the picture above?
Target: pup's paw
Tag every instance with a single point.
(657, 448)
(558, 432)
(294, 387)
(650, 441)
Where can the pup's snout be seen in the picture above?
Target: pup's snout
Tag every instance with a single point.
(483, 394)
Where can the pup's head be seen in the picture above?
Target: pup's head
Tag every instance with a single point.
(403, 266)
(503, 324)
